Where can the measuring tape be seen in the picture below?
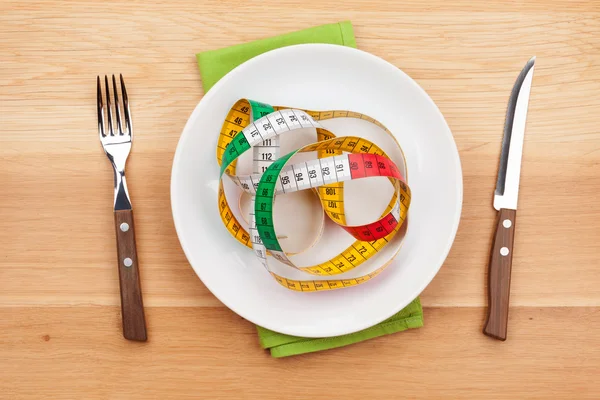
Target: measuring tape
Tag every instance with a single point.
(250, 124)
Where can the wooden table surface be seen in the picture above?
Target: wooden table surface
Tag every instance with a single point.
(60, 328)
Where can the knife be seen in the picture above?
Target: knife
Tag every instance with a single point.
(505, 202)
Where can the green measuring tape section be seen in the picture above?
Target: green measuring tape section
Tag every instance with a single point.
(263, 205)
(239, 144)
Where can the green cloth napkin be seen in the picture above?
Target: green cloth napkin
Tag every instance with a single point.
(213, 65)
(282, 345)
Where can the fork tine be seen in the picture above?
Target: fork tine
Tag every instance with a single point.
(100, 111)
(109, 107)
(126, 111)
(117, 111)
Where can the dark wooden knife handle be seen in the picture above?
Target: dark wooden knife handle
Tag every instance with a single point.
(132, 306)
(499, 275)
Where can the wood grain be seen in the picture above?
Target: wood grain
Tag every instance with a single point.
(57, 247)
(209, 352)
(496, 324)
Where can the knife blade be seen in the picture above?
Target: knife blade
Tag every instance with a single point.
(505, 202)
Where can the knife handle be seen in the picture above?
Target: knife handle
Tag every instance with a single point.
(499, 275)
(132, 306)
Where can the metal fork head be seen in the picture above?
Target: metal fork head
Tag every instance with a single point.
(106, 130)
(116, 142)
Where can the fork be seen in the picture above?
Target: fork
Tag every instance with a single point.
(117, 145)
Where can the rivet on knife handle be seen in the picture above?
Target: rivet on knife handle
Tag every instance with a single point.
(499, 275)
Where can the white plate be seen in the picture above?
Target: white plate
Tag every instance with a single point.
(319, 77)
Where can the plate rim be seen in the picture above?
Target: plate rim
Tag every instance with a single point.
(459, 201)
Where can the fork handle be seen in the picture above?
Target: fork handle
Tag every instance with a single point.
(132, 307)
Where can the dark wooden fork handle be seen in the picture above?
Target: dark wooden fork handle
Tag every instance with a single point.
(499, 275)
(132, 307)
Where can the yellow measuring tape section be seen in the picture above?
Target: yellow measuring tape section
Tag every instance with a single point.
(331, 195)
